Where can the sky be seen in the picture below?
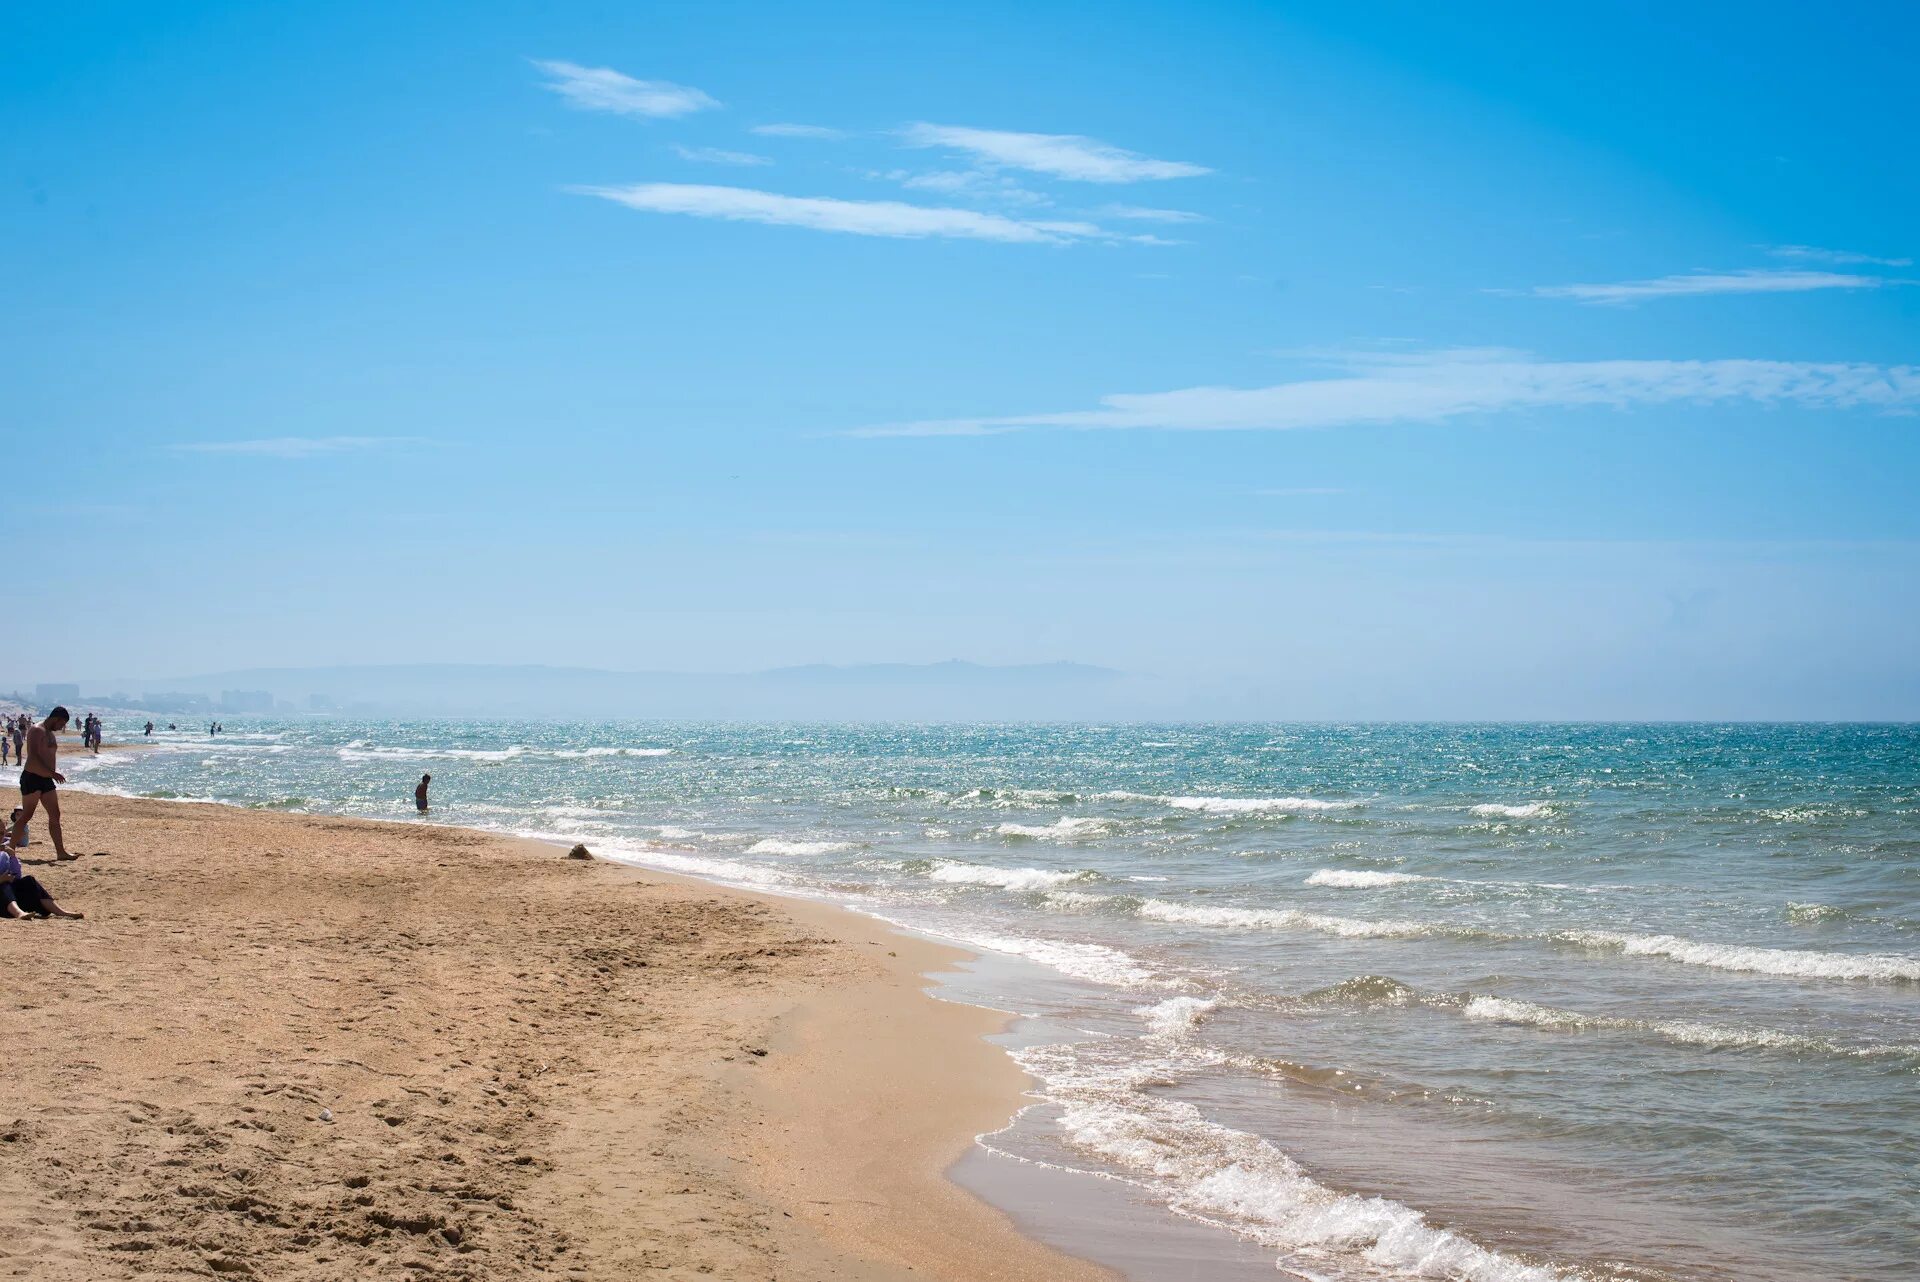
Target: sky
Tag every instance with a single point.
(1321, 360)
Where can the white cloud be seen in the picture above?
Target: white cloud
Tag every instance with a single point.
(789, 130)
(1436, 386)
(1761, 281)
(1138, 214)
(967, 184)
(1057, 155)
(1840, 256)
(296, 447)
(718, 156)
(604, 89)
(856, 217)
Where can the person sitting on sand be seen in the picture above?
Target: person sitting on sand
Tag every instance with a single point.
(24, 896)
(420, 793)
(37, 779)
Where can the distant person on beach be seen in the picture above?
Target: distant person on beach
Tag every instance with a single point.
(24, 896)
(420, 793)
(38, 775)
(149, 729)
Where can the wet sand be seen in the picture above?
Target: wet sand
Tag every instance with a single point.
(296, 1047)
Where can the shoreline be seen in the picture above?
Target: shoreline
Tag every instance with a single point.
(531, 1066)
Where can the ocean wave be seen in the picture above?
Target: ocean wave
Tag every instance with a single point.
(1241, 1182)
(1809, 914)
(1176, 1016)
(569, 753)
(357, 751)
(490, 756)
(1685, 1032)
(1528, 810)
(778, 846)
(1793, 962)
(1065, 828)
(1360, 879)
(1238, 805)
(723, 870)
(1005, 878)
(1364, 990)
(1095, 963)
(1295, 919)
(1351, 880)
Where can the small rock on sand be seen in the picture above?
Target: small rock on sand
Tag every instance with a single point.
(579, 852)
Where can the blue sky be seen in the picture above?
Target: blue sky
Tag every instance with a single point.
(1326, 360)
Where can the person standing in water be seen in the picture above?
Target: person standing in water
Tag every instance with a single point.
(420, 793)
(38, 776)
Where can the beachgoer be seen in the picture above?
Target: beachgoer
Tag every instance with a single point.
(24, 896)
(420, 793)
(38, 775)
(149, 729)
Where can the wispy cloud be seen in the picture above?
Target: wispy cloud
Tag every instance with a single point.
(1137, 213)
(788, 130)
(1694, 284)
(1841, 257)
(298, 447)
(856, 217)
(966, 184)
(719, 156)
(1056, 155)
(1436, 386)
(604, 89)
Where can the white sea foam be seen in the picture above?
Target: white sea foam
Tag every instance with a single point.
(1093, 962)
(1530, 810)
(776, 846)
(1064, 828)
(671, 832)
(492, 756)
(357, 751)
(1227, 1177)
(1798, 963)
(1514, 1010)
(1354, 880)
(1076, 899)
(580, 812)
(726, 870)
(1005, 878)
(1238, 805)
(1177, 1015)
(612, 752)
(1290, 919)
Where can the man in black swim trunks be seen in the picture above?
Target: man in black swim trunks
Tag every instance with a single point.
(38, 778)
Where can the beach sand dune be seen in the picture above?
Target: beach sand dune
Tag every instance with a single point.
(294, 1047)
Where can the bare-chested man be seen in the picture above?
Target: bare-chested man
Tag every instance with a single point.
(38, 777)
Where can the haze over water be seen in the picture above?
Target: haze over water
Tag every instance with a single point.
(1493, 1002)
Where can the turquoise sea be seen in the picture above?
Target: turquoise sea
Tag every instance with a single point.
(1490, 1002)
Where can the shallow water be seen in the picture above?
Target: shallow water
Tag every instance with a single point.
(1488, 1002)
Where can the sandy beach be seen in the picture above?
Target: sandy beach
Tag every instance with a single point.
(284, 1046)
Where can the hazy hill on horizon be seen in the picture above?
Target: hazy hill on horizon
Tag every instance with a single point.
(954, 689)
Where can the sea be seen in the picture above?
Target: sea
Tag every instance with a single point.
(1509, 1003)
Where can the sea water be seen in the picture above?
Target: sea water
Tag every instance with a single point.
(1490, 1002)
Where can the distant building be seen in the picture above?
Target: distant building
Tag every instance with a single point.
(246, 701)
(52, 692)
(320, 702)
(174, 701)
